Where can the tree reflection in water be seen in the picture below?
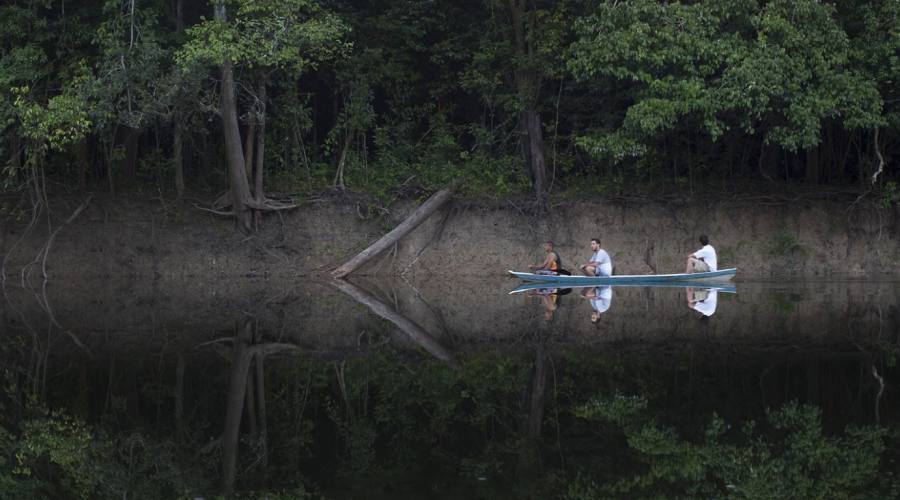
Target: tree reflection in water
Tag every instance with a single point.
(532, 417)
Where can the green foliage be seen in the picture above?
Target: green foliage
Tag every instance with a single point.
(55, 455)
(779, 68)
(290, 35)
(791, 458)
(408, 94)
(65, 443)
(59, 123)
(889, 195)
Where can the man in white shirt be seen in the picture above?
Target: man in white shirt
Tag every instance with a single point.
(703, 260)
(600, 298)
(600, 263)
(703, 300)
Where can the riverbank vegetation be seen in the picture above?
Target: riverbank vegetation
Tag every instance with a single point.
(268, 100)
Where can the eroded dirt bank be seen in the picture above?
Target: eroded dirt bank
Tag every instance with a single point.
(133, 238)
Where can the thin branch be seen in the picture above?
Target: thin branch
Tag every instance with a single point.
(217, 212)
(880, 159)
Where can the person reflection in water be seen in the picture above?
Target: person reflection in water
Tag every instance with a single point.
(600, 298)
(549, 300)
(702, 300)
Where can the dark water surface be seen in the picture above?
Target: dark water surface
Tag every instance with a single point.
(448, 389)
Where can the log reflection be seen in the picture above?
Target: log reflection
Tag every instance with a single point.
(407, 326)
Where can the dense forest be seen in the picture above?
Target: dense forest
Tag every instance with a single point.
(268, 100)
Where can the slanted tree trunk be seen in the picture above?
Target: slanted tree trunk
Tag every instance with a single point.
(417, 217)
(237, 173)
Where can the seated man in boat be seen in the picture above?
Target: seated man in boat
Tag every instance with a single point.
(601, 298)
(703, 260)
(600, 263)
(703, 300)
(551, 264)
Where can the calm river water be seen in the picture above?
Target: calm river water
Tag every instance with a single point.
(436, 389)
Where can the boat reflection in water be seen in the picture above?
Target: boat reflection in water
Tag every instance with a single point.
(701, 297)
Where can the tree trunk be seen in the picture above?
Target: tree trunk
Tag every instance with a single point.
(178, 159)
(417, 217)
(15, 154)
(237, 388)
(339, 173)
(261, 408)
(83, 163)
(537, 166)
(177, 146)
(258, 191)
(179, 16)
(812, 165)
(249, 138)
(237, 173)
(178, 394)
(129, 167)
(250, 406)
(260, 146)
(528, 84)
(530, 454)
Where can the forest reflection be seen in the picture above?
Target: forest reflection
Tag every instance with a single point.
(411, 409)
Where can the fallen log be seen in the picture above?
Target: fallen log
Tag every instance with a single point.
(417, 217)
(414, 331)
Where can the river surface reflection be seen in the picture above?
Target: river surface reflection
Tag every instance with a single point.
(448, 389)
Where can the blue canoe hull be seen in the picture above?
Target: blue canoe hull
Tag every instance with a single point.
(647, 279)
(708, 285)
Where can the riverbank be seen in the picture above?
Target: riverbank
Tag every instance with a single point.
(764, 238)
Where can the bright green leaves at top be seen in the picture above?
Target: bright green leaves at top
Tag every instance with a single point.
(797, 74)
(292, 35)
(670, 56)
(780, 68)
(62, 121)
(875, 50)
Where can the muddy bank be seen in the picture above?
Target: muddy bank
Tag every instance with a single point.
(142, 239)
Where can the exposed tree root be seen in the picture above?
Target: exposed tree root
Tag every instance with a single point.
(224, 201)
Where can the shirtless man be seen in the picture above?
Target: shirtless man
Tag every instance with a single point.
(600, 263)
(550, 264)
